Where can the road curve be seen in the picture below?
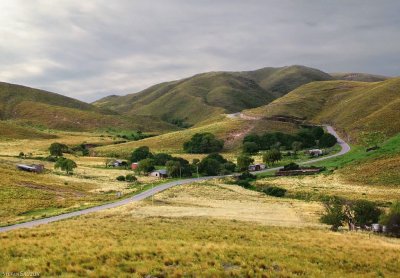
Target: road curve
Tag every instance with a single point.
(148, 193)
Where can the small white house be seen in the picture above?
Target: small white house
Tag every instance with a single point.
(315, 152)
(159, 174)
(257, 167)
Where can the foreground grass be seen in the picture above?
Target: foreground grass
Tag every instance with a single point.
(111, 245)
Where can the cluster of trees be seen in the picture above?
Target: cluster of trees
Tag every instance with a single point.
(306, 138)
(57, 151)
(362, 213)
(212, 164)
(203, 143)
(134, 136)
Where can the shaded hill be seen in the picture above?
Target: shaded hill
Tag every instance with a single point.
(199, 97)
(12, 131)
(364, 77)
(35, 107)
(348, 105)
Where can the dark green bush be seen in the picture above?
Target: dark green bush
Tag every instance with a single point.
(274, 191)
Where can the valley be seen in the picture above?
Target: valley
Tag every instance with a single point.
(210, 215)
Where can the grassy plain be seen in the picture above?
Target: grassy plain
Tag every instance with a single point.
(203, 230)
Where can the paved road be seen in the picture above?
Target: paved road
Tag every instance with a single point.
(148, 193)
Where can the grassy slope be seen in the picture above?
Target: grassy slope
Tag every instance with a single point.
(13, 131)
(231, 131)
(364, 77)
(119, 244)
(349, 106)
(281, 81)
(193, 99)
(209, 94)
(40, 108)
(30, 195)
(380, 167)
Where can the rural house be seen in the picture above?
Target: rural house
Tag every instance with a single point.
(159, 174)
(35, 168)
(118, 163)
(134, 165)
(315, 152)
(257, 167)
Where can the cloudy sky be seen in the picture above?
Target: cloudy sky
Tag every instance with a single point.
(93, 48)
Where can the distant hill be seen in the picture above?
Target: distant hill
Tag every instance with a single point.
(199, 97)
(348, 105)
(13, 131)
(35, 107)
(364, 77)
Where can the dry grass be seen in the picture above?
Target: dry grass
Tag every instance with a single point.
(221, 201)
(115, 245)
(315, 187)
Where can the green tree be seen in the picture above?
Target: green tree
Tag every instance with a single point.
(272, 156)
(334, 214)
(365, 212)
(174, 168)
(66, 165)
(141, 153)
(243, 162)
(161, 158)
(392, 218)
(209, 167)
(145, 166)
(203, 143)
(327, 140)
(296, 146)
(317, 132)
(57, 149)
(250, 147)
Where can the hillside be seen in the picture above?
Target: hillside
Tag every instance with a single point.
(35, 107)
(12, 131)
(364, 77)
(199, 97)
(350, 106)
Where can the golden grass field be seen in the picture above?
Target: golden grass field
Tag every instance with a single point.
(176, 237)
(316, 187)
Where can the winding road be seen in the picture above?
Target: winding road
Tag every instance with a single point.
(148, 193)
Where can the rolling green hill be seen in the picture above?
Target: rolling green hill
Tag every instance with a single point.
(350, 106)
(364, 77)
(197, 98)
(13, 131)
(35, 107)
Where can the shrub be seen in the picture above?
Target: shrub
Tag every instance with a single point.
(203, 143)
(247, 176)
(244, 183)
(274, 191)
(130, 178)
(291, 166)
(121, 178)
(209, 166)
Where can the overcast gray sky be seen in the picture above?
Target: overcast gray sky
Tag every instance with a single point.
(89, 49)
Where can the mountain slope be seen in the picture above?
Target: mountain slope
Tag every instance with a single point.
(364, 77)
(350, 106)
(197, 98)
(30, 106)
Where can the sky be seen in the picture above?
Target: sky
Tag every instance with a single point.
(94, 48)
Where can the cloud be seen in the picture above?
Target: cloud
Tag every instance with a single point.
(89, 49)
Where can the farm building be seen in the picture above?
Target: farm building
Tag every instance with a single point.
(257, 167)
(118, 163)
(159, 174)
(134, 165)
(315, 152)
(35, 168)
